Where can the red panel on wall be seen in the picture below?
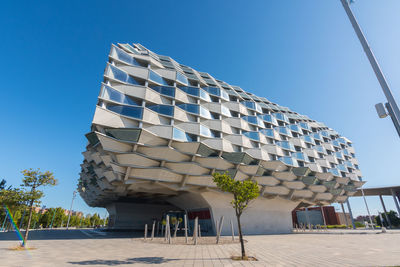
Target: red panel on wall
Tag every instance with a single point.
(202, 214)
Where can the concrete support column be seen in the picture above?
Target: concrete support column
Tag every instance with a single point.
(308, 218)
(344, 214)
(384, 209)
(323, 214)
(395, 201)
(366, 205)
(351, 214)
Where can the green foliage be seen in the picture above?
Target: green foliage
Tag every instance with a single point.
(392, 217)
(337, 226)
(359, 224)
(33, 179)
(3, 185)
(174, 220)
(243, 191)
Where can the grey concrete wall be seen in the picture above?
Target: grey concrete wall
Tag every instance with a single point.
(263, 216)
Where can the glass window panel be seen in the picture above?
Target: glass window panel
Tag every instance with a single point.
(204, 95)
(178, 134)
(121, 75)
(205, 131)
(281, 117)
(156, 78)
(180, 77)
(124, 134)
(125, 57)
(205, 113)
(213, 90)
(165, 90)
(192, 108)
(225, 111)
(286, 144)
(114, 95)
(268, 132)
(195, 91)
(163, 109)
(252, 135)
(269, 118)
(135, 112)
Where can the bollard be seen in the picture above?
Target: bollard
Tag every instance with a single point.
(186, 232)
(220, 228)
(152, 230)
(196, 223)
(233, 231)
(145, 231)
(199, 231)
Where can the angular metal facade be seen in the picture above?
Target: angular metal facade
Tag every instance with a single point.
(161, 129)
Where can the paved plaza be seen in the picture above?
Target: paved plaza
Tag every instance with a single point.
(96, 248)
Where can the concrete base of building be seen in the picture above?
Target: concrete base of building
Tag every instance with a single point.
(134, 215)
(263, 216)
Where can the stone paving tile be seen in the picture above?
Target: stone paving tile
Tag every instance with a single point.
(271, 250)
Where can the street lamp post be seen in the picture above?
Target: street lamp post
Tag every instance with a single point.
(391, 107)
(70, 210)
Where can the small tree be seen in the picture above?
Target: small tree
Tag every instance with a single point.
(243, 192)
(34, 179)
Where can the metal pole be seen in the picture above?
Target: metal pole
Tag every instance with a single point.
(4, 222)
(393, 108)
(395, 201)
(308, 218)
(70, 210)
(186, 226)
(323, 215)
(233, 232)
(384, 209)
(52, 219)
(351, 214)
(344, 214)
(366, 205)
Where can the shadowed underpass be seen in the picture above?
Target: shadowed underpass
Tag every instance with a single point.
(55, 234)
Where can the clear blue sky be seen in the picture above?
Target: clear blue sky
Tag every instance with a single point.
(300, 54)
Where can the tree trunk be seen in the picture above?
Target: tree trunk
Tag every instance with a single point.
(29, 224)
(30, 215)
(241, 236)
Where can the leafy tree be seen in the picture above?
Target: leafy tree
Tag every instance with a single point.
(33, 179)
(243, 192)
(3, 185)
(392, 217)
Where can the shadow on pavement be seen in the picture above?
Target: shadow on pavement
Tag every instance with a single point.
(143, 260)
(70, 234)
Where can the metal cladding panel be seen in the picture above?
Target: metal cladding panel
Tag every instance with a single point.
(160, 124)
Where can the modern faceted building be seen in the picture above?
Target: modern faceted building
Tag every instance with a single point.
(160, 130)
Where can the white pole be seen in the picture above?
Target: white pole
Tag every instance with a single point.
(393, 108)
(145, 232)
(199, 231)
(220, 228)
(233, 231)
(186, 232)
(70, 209)
(152, 230)
(196, 223)
(366, 205)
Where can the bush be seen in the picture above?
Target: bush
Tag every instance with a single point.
(359, 224)
(337, 226)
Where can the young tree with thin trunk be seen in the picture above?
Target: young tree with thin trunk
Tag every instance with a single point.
(243, 192)
(33, 179)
